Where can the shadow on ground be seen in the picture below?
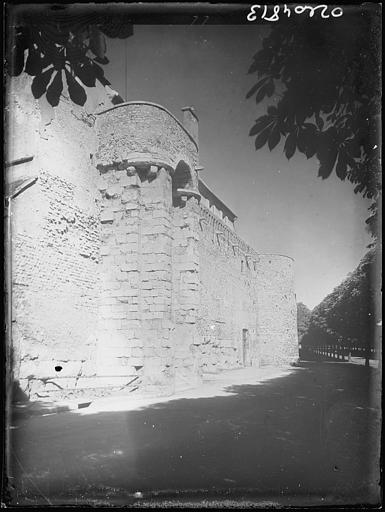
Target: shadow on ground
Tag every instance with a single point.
(22, 407)
(311, 437)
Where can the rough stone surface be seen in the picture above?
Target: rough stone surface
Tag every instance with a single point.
(277, 324)
(143, 132)
(119, 281)
(55, 240)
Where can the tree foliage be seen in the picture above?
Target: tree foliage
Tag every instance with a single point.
(53, 45)
(348, 315)
(303, 319)
(326, 74)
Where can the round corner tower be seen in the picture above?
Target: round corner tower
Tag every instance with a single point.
(277, 310)
(149, 256)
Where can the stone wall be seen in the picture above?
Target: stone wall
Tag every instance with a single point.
(142, 151)
(136, 275)
(228, 307)
(277, 309)
(120, 273)
(55, 241)
(247, 307)
(186, 292)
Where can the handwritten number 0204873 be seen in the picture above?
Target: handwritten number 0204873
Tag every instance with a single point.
(323, 10)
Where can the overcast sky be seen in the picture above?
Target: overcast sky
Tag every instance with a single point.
(282, 206)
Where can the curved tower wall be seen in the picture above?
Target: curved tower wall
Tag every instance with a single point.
(149, 263)
(277, 309)
(144, 133)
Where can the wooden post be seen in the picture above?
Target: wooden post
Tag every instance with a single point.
(367, 355)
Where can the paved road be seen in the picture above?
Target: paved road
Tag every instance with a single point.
(310, 437)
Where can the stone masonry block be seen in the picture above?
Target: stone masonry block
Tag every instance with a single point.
(137, 352)
(102, 185)
(131, 206)
(130, 195)
(107, 216)
(129, 266)
(114, 191)
(132, 214)
(105, 250)
(131, 181)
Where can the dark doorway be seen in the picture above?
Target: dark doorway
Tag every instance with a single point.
(246, 347)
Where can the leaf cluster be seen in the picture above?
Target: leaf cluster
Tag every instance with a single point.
(53, 46)
(326, 74)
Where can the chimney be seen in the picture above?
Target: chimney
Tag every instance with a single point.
(191, 122)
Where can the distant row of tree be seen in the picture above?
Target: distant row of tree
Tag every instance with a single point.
(348, 318)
